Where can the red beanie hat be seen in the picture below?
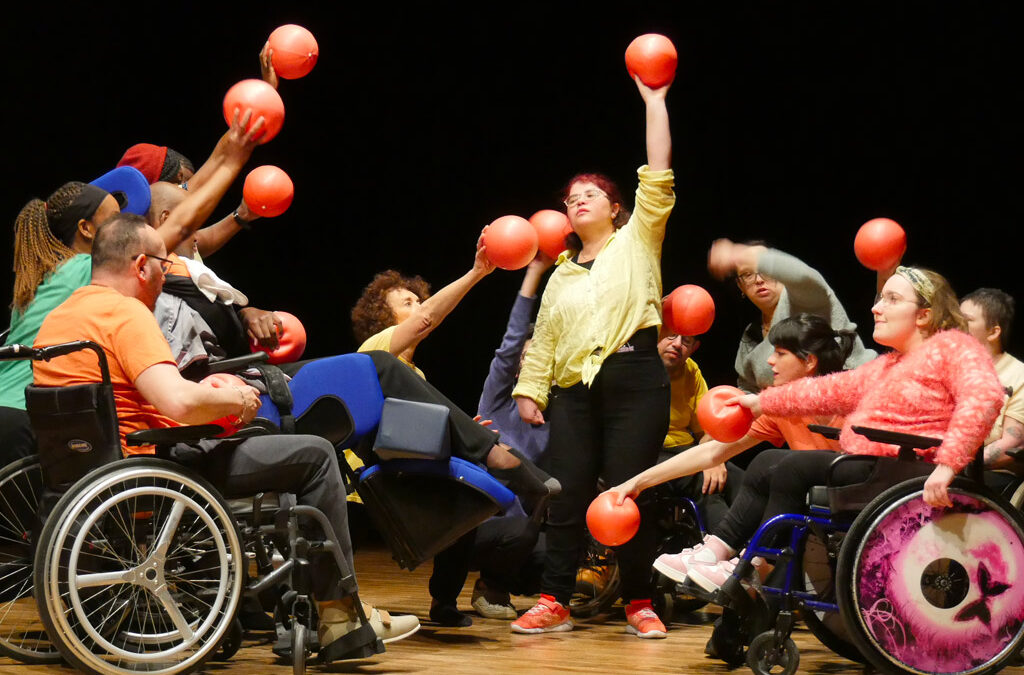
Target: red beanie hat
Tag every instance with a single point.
(147, 158)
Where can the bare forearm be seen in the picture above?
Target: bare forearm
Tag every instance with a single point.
(188, 216)
(1012, 439)
(211, 239)
(659, 136)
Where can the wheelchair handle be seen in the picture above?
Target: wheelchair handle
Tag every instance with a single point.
(22, 352)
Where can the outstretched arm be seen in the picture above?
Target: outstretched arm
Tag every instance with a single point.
(659, 136)
(210, 239)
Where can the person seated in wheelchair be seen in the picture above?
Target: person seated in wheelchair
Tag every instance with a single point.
(115, 311)
(936, 381)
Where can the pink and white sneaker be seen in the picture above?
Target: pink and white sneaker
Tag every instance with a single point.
(676, 566)
(711, 577)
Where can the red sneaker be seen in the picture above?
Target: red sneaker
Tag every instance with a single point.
(547, 616)
(643, 622)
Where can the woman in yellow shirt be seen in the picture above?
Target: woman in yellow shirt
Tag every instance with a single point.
(596, 340)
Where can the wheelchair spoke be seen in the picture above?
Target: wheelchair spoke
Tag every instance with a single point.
(172, 610)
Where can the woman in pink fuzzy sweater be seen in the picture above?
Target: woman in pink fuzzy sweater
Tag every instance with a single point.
(937, 381)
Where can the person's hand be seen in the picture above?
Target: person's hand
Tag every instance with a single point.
(237, 144)
(481, 263)
(751, 402)
(245, 213)
(484, 423)
(529, 411)
(267, 65)
(263, 326)
(714, 479)
(721, 258)
(936, 491)
(250, 402)
(626, 489)
(541, 263)
(648, 94)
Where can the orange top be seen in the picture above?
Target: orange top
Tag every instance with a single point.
(178, 267)
(131, 338)
(793, 432)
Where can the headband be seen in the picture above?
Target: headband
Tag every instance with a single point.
(921, 283)
(83, 207)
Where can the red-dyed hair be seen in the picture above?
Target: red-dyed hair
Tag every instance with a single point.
(572, 240)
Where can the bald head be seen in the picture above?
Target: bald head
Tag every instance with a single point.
(164, 197)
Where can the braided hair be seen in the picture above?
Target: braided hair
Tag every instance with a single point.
(37, 252)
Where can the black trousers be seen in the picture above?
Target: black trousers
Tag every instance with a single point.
(16, 437)
(613, 429)
(714, 507)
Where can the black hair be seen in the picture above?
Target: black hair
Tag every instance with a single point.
(805, 334)
(997, 308)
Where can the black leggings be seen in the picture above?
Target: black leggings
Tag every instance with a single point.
(777, 482)
(613, 429)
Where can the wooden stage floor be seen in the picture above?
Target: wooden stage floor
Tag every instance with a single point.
(595, 646)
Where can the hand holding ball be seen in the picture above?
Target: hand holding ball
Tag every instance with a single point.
(725, 423)
(268, 191)
(880, 244)
(552, 229)
(612, 524)
(264, 101)
(511, 242)
(291, 340)
(295, 51)
(653, 57)
(230, 423)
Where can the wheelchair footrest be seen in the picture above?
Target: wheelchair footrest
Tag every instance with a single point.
(359, 644)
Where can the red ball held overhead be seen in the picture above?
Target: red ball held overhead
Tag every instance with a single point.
(291, 339)
(611, 524)
(230, 423)
(511, 242)
(692, 310)
(268, 191)
(294, 51)
(880, 244)
(725, 423)
(264, 101)
(552, 229)
(653, 57)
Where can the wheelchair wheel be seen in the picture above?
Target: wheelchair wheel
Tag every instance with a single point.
(764, 657)
(298, 648)
(139, 568)
(598, 585)
(926, 590)
(22, 635)
(818, 563)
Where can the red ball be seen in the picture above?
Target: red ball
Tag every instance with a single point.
(610, 524)
(511, 242)
(725, 423)
(264, 101)
(653, 57)
(268, 191)
(880, 244)
(295, 51)
(552, 229)
(231, 423)
(692, 310)
(291, 339)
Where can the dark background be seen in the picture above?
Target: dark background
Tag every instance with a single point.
(793, 123)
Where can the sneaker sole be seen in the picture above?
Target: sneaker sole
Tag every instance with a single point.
(560, 628)
(401, 637)
(649, 635)
(696, 577)
(670, 572)
(505, 613)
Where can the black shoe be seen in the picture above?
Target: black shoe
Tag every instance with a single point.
(450, 616)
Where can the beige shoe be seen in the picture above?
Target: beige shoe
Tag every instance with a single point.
(492, 604)
(338, 621)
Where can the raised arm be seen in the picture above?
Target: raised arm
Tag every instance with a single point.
(659, 136)
(432, 312)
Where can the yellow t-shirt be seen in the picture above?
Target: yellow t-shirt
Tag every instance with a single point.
(587, 314)
(1010, 372)
(687, 390)
(382, 342)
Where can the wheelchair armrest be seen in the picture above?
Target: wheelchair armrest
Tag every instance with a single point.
(172, 435)
(831, 433)
(897, 438)
(236, 364)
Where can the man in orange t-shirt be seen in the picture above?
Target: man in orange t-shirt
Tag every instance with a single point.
(115, 311)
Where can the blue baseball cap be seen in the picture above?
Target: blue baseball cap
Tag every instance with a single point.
(128, 186)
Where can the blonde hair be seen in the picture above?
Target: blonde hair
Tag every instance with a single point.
(944, 305)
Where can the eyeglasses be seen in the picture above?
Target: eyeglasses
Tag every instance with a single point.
(892, 299)
(587, 196)
(165, 264)
(684, 340)
(748, 278)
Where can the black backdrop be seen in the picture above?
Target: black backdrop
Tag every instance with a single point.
(792, 122)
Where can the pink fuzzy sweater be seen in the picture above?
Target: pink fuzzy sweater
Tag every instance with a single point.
(945, 388)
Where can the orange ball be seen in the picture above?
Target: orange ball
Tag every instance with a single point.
(552, 229)
(692, 310)
(511, 242)
(264, 101)
(295, 51)
(231, 423)
(653, 57)
(611, 524)
(725, 423)
(880, 244)
(291, 338)
(268, 191)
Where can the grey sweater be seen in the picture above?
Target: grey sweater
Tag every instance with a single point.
(804, 290)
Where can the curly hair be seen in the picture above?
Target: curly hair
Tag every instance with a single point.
(371, 313)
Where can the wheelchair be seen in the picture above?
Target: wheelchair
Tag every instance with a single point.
(142, 564)
(881, 577)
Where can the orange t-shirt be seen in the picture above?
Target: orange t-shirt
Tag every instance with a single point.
(178, 267)
(131, 338)
(793, 432)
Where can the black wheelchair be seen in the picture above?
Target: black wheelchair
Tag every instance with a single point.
(141, 564)
(881, 577)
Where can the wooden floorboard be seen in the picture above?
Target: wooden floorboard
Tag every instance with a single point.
(596, 646)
